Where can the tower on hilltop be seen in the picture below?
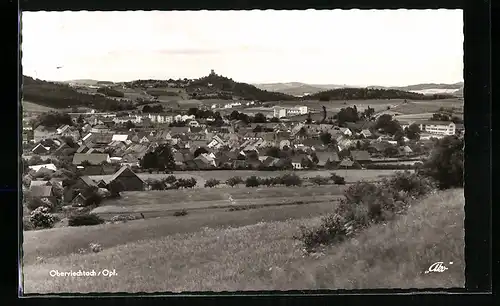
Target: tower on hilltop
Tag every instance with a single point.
(212, 72)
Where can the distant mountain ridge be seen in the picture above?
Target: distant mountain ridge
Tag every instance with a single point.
(301, 89)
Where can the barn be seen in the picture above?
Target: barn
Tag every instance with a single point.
(128, 179)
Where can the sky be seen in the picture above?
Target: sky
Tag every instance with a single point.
(354, 47)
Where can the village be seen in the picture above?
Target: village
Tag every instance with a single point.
(102, 148)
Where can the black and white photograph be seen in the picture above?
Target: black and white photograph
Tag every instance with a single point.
(258, 150)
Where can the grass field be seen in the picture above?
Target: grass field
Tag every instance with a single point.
(36, 108)
(160, 203)
(350, 175)
(157, 255)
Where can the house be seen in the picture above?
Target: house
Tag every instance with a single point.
(84, 182)
(325, 158)
(361, 156)
(119, 137)
(40, 149)
(406, 150)
(366, 133)
(43, 192)
(128, 179)
(78, 201)
(46, 166)
(39, 183)
(194, 123)
(92, 158)
(345, 131)
(437, 127)
(41, 132)
(297, 162)
(100, 128)
(346, 163)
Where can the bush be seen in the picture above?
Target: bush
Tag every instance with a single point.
(446, 164)
(33, 203)
(156, 184)
(170, 179)
(331, 229)
(252, 181)
(42, 218)
(269, 181)
(185, 183)
(319, 180)
(337, 179)
(212, 183)
(84, 219)
(411, 183)
(27, 224)
(180, 213)
(290, 180)
(233, 181)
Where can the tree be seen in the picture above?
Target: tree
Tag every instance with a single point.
(348, 114)
(391, 151)
(80, 120)
(149, 161)
(129, 125)
(274, 152)
(200, 151)
(399, 137)
(446, 164)
(274, 120)
(309, 120)
(259, 118)
(326, 138)
(165, 157)
(314, 158)
(324, 114)
(413, 132)
(387, 124)
(53, 119)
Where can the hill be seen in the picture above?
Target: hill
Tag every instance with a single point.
(300, 89)
(370, 93)
(60, 95)
(263, 256)
(296, 88)
(212, 86)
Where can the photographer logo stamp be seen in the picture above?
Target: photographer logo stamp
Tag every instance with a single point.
(438, 267)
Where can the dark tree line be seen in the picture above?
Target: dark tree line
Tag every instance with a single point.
(370, 93)
(53, 119)
(153, 109)
(110, 92)
(58, 95)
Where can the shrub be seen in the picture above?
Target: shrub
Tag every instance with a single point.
(33, 203)
(156, 184)
(180, 213)
(170, 179)
(185, 183)
(337, 179)
(331, 229)
(84, 219)
(252, 181)
(446, 164)
(27, 224)
(411, 183)
(233, 181)
(212, 183)
(42, 218)
(268, 181)
(319, 180)
(291, 180)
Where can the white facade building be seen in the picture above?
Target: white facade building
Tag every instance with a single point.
(280, 112)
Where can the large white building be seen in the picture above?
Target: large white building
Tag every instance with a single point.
(280, 112)
(435, 127)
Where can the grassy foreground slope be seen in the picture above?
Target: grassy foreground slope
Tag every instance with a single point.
(264, 256)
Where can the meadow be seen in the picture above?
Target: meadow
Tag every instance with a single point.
(36, 108)
(160, 203)
(252, 252)
(350, 175)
